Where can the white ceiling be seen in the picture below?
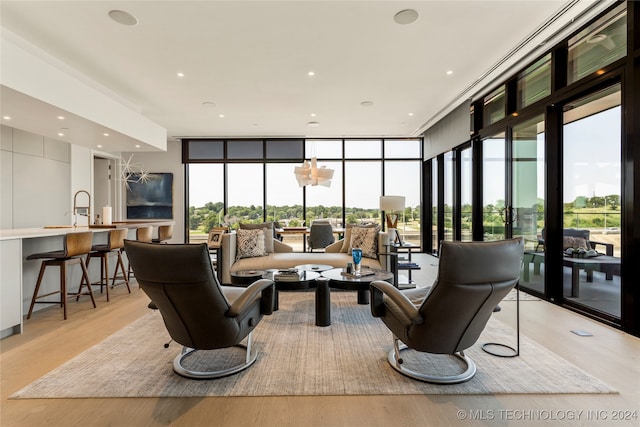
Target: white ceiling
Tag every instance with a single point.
(251, 59)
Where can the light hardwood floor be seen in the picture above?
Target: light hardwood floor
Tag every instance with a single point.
(49, 341)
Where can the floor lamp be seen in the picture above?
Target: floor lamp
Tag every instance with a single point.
(489, 347)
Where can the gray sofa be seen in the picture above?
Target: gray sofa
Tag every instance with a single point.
(284, 257)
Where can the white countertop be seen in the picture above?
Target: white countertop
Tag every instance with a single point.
(28, 233)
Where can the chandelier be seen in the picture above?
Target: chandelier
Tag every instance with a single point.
(311, 174)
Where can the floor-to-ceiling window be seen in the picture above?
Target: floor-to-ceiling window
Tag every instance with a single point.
(245, 192)
(449, 186)
(493, 187)
(527, 197)
(255, 177)
(591, 190)
(556, 165)
(206, 199)
(325, 202)
(466, 186)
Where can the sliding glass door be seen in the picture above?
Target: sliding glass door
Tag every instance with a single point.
(493, 187)
(526, 213)
(592, 188)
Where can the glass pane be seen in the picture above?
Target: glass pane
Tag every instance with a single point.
(494, 106)
(326, 202)
(534, 83)
(324, 148)
(403, 179)
(493, 187)
(284, 149)
(435, 244)
(592, 188)
(448, 195)
(206, 200)
(244, 149)
(402, 149)
(466, 182)
(245, 197)
(284, 200)
(206, 149)
(363, 149)
(363, 185)
(528, 198)
(598, 45)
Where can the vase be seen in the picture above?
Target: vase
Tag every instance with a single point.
(356, 254)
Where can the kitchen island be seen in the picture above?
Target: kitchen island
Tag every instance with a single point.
(18, 276)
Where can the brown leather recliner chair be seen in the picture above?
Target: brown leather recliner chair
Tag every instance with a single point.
(448, 317)
(199, 313)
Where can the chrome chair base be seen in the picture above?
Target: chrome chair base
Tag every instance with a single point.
(179, 369)
(396, 362)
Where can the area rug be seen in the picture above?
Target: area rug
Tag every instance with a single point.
(298, 358)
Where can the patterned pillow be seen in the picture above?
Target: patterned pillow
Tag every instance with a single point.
(250, 243)
(365, 238)
(269, 233)
(346, 244)
(574, 242)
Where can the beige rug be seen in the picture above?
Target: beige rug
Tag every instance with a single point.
(298, 358)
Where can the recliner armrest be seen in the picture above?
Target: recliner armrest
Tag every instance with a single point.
(379, 289)
(244, 301)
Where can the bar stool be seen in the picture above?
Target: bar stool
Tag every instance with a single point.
(165, 232)
(143, 234)
(115, 242)
(76, 245)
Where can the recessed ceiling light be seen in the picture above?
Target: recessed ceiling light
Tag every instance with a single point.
(60, 134)
(6, 117)
(411, 114)
(122, 17)
(105, 134)
(221, 116)
(99, 146)
(312, 114)
(406, 16)
(366, 103)
(60, 117)
(137, 145)
(449, 72)
(180, 74)
(313, 124)
(311, 73)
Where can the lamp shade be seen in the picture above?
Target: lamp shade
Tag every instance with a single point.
(392, 203)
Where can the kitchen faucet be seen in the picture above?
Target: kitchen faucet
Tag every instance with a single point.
(76, 207)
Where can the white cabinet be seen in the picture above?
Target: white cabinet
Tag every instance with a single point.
(10, 286)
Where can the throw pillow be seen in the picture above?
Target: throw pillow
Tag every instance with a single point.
(574, 242)
(346, 241)
(365, 238)
(250, 243)
(268, 233)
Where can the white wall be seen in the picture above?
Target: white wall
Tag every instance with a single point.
(169, 161)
